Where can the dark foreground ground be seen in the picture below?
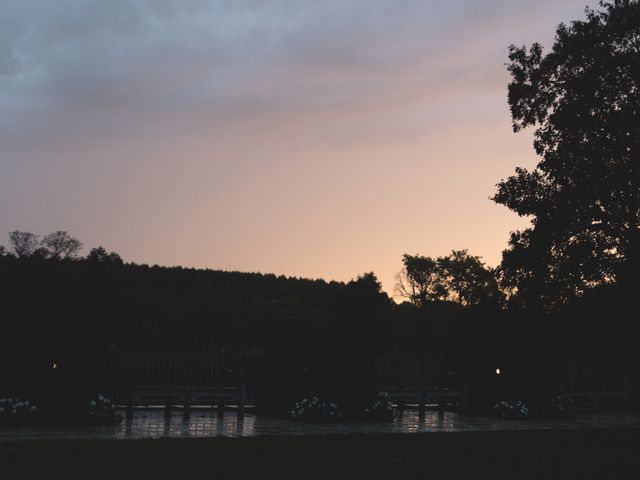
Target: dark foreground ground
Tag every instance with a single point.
(584, 454)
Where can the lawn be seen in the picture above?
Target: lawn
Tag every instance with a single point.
(583, 454)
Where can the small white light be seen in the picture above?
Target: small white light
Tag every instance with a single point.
(55, 365)
(497, 371)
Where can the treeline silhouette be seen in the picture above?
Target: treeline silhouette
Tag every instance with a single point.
(72, 311)
(57, 305)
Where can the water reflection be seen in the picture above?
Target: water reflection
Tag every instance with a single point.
(152, 424)
(155, 424)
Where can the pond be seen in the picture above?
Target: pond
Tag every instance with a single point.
(154, 424)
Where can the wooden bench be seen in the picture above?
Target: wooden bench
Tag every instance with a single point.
(168, 396)
(168, 379)
(418, 381)
(591, 384)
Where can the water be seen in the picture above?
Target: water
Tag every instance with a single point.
(153, 424)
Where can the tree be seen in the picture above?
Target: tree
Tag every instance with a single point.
(3, 251)
(363, 310)
(419, 281)
(24, 244)
(583, 197)
(61, 245)
(458, 277)
(100, 255)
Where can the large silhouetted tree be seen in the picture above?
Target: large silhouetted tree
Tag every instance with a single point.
(61, 245)
(583, 197)
(458, 277)
(23, 244)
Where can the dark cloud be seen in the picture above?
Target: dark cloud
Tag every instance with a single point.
(88, 53)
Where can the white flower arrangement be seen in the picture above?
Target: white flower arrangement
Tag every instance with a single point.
(382, 409)
(313, 409)
(561, 407)
(15, 410)
(514, 409)
(103, 410)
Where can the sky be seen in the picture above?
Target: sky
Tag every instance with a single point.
(310, 138)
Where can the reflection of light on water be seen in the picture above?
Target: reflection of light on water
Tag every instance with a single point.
(431, 422)
(151, 424)
(154, 424)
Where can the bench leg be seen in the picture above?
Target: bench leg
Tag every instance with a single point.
(186, 410)
(241, 401)
(130, 402)
(129, 414)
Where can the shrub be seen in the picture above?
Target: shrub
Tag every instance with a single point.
(382, 409)
(512, 409)
(14, 411)
(561, 407)
(314, 410)
(102, 411)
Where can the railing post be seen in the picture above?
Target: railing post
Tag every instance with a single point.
(465, 395)
(130, 400)
(241, 399)
(186, 411)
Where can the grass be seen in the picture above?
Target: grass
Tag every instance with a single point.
(540, 455)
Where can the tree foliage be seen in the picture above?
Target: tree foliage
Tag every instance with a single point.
(100, 255)
(56, 245)
(60, 245)
(583, 197)
(363, 312)
(23, 244)
(458, 277)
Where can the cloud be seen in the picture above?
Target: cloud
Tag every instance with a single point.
(90, 59)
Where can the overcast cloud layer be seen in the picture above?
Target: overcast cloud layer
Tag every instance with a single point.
(315, 138)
